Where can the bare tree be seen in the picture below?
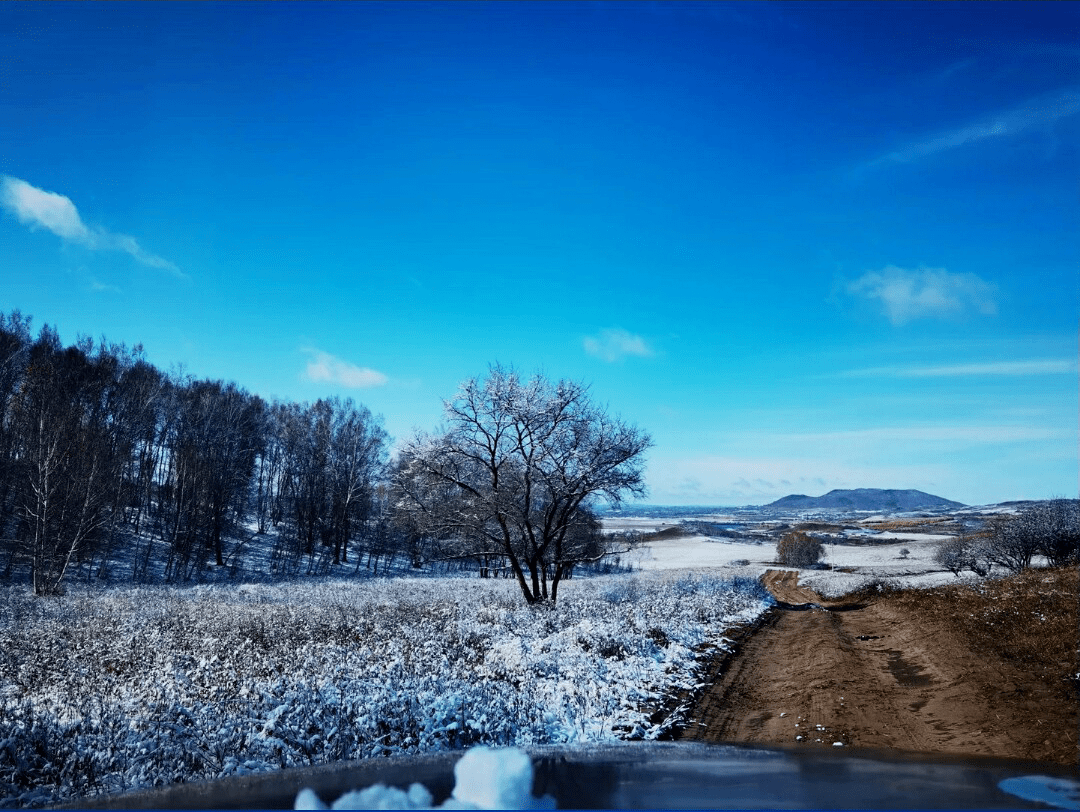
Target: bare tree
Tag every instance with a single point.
(1056, 525)
(67, 463)
(357, 455)
(963, 553)
(213, 451)
(1010, 542)
(306, 435)
(15, 343)
(514, 472)
(93, 441)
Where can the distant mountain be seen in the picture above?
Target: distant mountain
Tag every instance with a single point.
(865, 499)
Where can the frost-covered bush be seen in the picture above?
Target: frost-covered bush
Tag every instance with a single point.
(137, 687)
(963, 553)
(622, 590)
(752, 588)
(797, 549)
(691, 584)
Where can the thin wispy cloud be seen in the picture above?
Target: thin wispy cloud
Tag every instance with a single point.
(101, 287)
(55, 212)
(1036, 112)
(720, 480)
(614, 344)
(324, 367)
(1044, 366)
(905, 434)
(906, 295)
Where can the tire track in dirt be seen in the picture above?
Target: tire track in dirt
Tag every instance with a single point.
(820, 673)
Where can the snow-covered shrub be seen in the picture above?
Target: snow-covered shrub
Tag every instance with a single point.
(136, 687)
(622, 590)
(752, 588)
(797, 549)
(708, 585)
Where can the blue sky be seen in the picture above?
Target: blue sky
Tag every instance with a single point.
(805, 246)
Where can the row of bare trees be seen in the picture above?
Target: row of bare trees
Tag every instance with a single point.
(1050, 529)
(104, 458)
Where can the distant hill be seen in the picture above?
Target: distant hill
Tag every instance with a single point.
(865, 499)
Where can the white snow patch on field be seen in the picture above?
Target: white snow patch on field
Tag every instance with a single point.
(889, 534)
(638, 524)
(696, 552)
(864, 562)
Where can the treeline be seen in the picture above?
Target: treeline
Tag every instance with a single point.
(104, 457)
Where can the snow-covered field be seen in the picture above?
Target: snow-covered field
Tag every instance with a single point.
(131, 687)
(904, 556)
(699, 552)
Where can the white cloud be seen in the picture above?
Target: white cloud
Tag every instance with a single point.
(1039, 111)
(927, 292)
(101, 287)
(614, 344)
(1044, 366)
(37, 208)
(907, 434)
(325, 367)
(122, 242)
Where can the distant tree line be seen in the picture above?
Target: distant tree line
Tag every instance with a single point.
(107, 462)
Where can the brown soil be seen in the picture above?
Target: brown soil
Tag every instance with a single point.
(960, 670)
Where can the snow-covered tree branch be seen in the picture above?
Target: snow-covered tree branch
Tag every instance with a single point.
(520, 465)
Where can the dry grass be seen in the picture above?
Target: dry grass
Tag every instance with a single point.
(676, 532)
(915, 525)
(1028, 621)
(819, 527)
(1029, 618)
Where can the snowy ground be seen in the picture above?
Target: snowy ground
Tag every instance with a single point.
(114, 689)
(907, 557)
(700, 552)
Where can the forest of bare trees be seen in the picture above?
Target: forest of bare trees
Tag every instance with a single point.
(104, 458)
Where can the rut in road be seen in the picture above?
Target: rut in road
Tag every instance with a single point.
(821, 673)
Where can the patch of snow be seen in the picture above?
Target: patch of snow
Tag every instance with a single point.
(913, 536)
(640, 524)
(485, 778)
(697, 552)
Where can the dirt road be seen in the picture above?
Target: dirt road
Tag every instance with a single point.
(876, 674)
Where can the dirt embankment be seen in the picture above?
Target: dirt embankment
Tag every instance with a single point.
(988, 671)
